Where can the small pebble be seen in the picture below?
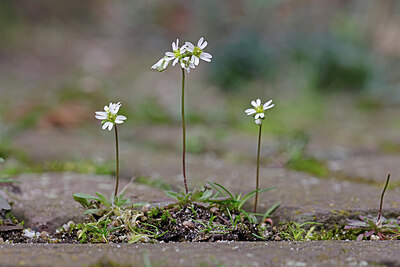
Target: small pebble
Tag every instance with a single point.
(188, 224)
(146, 208)
(44, 235)
(278, 238)
(214, 210)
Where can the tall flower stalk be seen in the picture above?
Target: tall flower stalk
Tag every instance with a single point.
(258, 113)
(188, 56)
(109, 118)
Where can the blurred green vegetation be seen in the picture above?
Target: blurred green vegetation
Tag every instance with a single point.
(14, 168)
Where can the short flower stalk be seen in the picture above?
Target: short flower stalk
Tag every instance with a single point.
(188, 56)
(258, 113)
(109, 119)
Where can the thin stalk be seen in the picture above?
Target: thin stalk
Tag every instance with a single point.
(183, 131)
(117, 161)
(383, 193)
(258, 168)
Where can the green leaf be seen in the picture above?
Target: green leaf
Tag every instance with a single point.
(4, 204)
(104, 200)
(83, 198)
(91, 211)
(224, 191)
(172, 194)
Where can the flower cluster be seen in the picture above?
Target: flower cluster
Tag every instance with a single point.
(187, 55)
(258, 110)
(109, 116)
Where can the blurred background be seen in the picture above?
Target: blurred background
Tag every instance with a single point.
(331, 68)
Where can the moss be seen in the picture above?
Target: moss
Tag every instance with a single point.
(309, 165)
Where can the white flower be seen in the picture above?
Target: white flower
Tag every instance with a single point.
(177, 53)
(197, 51)
(29, 233)
(187, 64)
(109, 116)
(162, 64)
(258, 112)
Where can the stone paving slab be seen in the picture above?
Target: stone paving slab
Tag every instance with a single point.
(318, 253)
(46, 200)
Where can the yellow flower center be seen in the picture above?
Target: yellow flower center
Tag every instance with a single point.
(197, 51)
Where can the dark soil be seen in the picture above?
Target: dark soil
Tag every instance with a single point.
(174, 223)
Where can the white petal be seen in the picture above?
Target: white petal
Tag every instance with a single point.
(110, 126)
(170, 54)
(105, 125)
(206, 55)
(195, 60)
(205, 58)
(120, 118)
(258, 102)
(200, 41)
(203, 45)
(101, 115)
(116, 108)
(175, 61)
(189, 46)
(268, 105)
(250, 111)
(259, 116)
(158, 64)
(183, 49)
(254, 103)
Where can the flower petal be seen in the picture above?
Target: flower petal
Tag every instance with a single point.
(110, 126)
(189, 46)
(203, 45)
(200, 41)
(250, 111)
(254, 103)
(105, 125)
(258, 101)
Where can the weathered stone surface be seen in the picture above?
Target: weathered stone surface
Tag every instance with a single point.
(322, 253)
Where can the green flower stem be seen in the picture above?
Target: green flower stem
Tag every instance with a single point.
(117, 161)
(183, 130)
(258, 168)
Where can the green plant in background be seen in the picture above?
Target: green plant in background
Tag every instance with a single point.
(377, 228)
(258, 112)
(109, 117)
(188, 56)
